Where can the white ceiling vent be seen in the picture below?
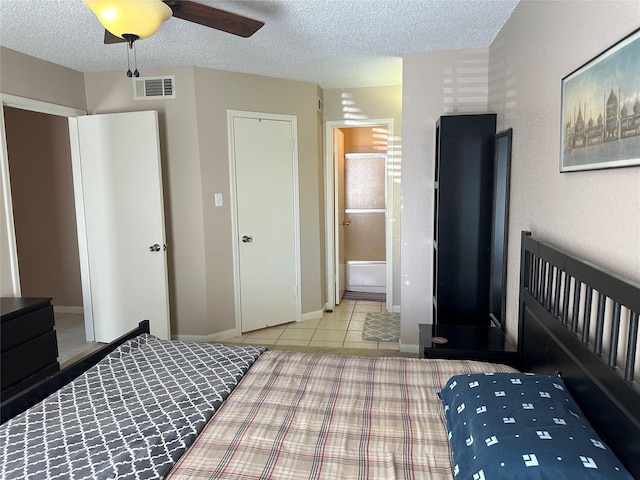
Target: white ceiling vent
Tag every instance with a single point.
(149, 88)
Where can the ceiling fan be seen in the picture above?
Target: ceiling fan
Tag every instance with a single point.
(144, 17)
(131, 20)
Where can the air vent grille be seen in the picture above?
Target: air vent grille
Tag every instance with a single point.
(149, 88)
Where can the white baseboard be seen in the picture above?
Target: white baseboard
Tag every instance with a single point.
(63, 309)
(409, 347)
(312, 315)
(395, 308)
(212, 337)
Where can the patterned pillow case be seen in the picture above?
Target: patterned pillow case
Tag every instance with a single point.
(517, 425)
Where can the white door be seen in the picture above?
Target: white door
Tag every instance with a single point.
(264, 162)
(119, 203)
(341, 267)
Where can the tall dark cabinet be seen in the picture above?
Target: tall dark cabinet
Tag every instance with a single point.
(463, 219)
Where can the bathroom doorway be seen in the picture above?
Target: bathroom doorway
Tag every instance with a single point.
(358, 190)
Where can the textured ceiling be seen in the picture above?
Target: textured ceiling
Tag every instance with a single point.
(334, 43)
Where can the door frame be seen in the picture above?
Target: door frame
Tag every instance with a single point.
(13, 101)
(330, 214)
(231, 115)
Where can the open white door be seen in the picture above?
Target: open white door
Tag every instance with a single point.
(341, 263)
(264, 169)
(120, 216)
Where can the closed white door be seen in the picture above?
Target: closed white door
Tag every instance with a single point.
(119, 203)
(264, 161)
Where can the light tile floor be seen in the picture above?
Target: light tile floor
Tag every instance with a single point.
(340, 329)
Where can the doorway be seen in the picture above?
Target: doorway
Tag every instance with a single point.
(38, 215)
(10, 281)
(43, 207)
(359, 189)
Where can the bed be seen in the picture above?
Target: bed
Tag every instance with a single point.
(291, 415)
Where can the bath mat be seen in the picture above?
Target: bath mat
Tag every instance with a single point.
(381, 327)
(371, 297)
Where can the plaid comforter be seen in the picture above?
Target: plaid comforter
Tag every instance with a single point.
(303, 416)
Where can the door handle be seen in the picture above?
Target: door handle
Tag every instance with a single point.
(247, 239)
(154, 248)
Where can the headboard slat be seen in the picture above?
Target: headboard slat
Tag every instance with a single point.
(615, 335)
(556, 307)
(632, 344)
(597, 346)
(549, 289)
(565, 298)
(586, 323)
(576, 305)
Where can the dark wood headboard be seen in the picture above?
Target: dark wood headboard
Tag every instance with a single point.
(582, 321)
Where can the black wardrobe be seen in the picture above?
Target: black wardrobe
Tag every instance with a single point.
(463, 219)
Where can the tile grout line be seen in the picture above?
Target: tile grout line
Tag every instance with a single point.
(316, 329)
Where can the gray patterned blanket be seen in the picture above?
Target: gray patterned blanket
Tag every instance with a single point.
(129, 417)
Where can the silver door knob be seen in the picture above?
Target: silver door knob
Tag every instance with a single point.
(247, 239)
(154, 248)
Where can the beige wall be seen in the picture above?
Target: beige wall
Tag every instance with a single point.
(109, 92)
(195, 161)
(193, 137)
(37, 79)
(365, 140)
(43, 206)
(434, 84)
(365, 104)
(593, 214)
(217, 92)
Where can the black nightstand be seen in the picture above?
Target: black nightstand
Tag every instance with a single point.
(466, 342)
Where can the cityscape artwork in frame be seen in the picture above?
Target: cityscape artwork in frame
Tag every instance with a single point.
(601, 110)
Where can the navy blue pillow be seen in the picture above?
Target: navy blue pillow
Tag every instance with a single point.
(525, 426)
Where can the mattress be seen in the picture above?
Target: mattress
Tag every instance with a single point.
(131, 416)
(304, 416)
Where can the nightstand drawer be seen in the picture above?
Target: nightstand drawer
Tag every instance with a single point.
(22, 328)
(27, 359)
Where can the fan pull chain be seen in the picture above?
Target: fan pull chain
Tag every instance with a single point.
(129, 74)
(136, 73)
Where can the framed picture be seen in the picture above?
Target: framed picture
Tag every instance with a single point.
(601, 110)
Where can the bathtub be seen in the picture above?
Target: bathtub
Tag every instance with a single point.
(366, 276)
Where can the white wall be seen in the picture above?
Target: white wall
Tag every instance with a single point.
(434, 84)
(592, 214)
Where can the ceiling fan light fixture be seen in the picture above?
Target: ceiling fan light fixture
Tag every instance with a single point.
(141, 18)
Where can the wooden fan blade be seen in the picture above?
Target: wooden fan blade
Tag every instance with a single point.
(110, 38)
(215, 18)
